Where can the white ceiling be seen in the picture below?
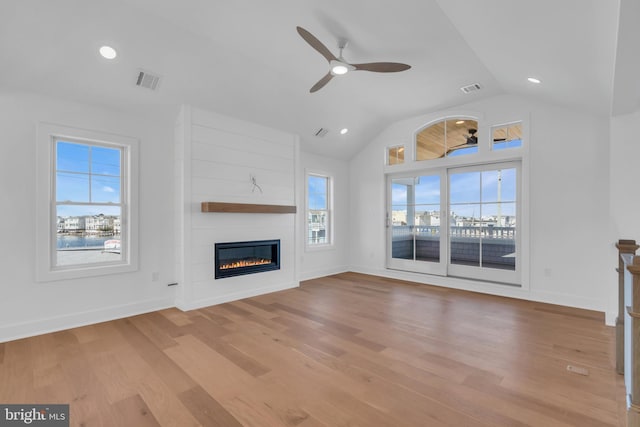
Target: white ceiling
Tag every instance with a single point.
(244, 57)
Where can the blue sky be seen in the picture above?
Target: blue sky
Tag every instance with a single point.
(317, 191)
(87, 174)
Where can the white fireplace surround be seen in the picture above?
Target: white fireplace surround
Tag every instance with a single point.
(219, 159)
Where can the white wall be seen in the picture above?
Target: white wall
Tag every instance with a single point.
(318, 262)
(625, 152)
(623, 168)
(568, 203)
(28, 307)
(215, 157)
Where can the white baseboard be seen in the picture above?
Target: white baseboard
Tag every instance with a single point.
(308, 275)
(59, 323)
(221, 299)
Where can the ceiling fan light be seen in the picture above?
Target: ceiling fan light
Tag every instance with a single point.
(339, 69)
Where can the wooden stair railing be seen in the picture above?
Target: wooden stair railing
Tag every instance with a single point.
(629, 304)
(633, 309)
(624, 247)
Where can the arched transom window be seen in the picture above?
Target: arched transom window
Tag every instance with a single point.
(450, 137)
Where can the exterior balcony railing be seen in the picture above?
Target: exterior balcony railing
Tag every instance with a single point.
(491, 246)
(485, 232)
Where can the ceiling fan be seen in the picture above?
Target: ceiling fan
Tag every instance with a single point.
(471, 140)
(338, 64)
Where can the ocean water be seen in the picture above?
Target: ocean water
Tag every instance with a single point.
(71, 242)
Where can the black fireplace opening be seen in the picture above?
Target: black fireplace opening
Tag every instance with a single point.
(238, 258)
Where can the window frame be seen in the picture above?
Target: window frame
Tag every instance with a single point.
(506, 126)
(329, 244)
(46, 213)
(398, 148)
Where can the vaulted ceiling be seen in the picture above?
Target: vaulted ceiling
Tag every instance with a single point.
(244, 57)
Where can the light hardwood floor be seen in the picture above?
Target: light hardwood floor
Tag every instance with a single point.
(345, 350)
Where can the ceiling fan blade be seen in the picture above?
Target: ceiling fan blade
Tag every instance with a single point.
(382, 67)
(323, 81)
(316, 44)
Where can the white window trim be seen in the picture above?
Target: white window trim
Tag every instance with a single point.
(45, 203)
(309, 247)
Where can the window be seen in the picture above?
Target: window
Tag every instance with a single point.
(507, 136)
(395, 155)
(447, 138)
(318, 210)
(87, 221)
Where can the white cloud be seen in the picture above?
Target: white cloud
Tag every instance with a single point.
(108, 189)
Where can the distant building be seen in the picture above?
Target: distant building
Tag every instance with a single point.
(91, 224)
(74, 223)
(99, 223)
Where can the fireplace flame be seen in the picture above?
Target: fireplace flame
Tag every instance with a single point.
(244, 263)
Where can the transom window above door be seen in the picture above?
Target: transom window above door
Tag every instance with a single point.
(447, 138)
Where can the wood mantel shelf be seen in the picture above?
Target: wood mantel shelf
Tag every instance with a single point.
(246, 208)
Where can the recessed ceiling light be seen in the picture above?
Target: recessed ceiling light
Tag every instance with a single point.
(108, 52)
(533, 80)
(460, 122)
(343, 131)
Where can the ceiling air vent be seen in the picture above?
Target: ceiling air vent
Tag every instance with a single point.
(147, 80)
(471, 88)
(321, 132)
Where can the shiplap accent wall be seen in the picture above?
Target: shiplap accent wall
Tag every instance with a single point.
(216, 156)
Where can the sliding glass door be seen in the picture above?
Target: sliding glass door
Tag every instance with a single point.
(413, 223)
(457, 222)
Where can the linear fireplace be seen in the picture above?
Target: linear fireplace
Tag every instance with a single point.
(238, 258)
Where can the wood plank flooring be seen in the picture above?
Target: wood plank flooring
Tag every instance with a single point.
(344, 350)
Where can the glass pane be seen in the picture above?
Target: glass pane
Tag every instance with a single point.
(427, 189)
(499, 242)
(398, 193)
(105, 161)
(430, 142)
(462, 137)
(461, 151)
(105, 189)
(72, 187)
(427, 218)
(509, 136)
(401, 222)
(492, 186)
(415, 218)
(466, 232)
(72, 157)
(317, 192)
(88, 234)
(464, 188)
(395, 155)
(427, 232)
(317, 227)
